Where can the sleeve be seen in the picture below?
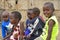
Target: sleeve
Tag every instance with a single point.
(26, 25)
(42, 23)
(38, 29)
(27, 31)
(3, 31)
(42, 18)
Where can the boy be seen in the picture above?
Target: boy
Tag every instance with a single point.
(17, 30)
(37, 11)
(50, 31)
(5, 23)
(34, 27)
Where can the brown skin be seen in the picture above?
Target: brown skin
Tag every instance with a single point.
(48, 12)
(13, 21)
(21, 30)
(51, 24)
(5, 16)
(8, 35)
(31, 15)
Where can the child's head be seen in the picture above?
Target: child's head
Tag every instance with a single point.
(15, 17)
(31, 14)
(36, 10)
(5, 16)
(48, 9)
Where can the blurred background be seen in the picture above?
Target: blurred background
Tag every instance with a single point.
(23, 5)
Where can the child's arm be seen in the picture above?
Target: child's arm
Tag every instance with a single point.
(7, 36)
(21, 30)
(3, 31)
(35, 24)
(51, 24)
(22, 27)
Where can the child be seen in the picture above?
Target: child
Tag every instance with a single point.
(15, 17)
(5, 23)
(37, 11)
(51, 27)
(34, 28)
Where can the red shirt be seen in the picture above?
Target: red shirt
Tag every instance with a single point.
(16, 33)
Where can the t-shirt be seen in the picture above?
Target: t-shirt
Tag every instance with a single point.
(16, 33)
(4, 27)
(38, 28)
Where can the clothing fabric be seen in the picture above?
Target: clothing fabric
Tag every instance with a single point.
(16, 33)
(4, 27)
(54, 30)
(37, 30)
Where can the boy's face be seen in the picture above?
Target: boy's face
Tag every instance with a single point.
(5, 17)
(12, 19)
(47, 11)
(31, 15)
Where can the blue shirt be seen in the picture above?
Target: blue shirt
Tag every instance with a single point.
(4, 28)
(38, 27)
(28, 24)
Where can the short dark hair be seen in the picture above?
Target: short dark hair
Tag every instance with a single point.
(17, 14)
(36, 10)
(29, 10)
(51, 5)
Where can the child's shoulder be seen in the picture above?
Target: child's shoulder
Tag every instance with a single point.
(41, 18)
(27, 21)
(53, 18)
(3, 22)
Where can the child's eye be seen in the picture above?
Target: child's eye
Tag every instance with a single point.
(47, 9)
(11, 17)
(5, 16)
(29, 13)
(43, 10)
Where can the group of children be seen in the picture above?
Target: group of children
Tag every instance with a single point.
(13, 29)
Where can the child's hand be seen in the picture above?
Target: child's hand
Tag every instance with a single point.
(4, 39)
(24, 37)
(16, 35)
(28, 36)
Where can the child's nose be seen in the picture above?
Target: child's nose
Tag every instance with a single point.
(45, 12)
